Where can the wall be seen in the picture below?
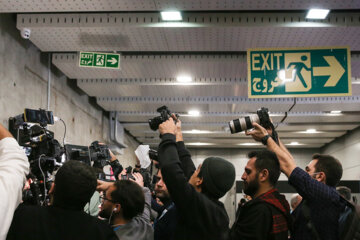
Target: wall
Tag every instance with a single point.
(347, 150)
(23, 84)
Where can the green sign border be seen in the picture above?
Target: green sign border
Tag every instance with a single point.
(105, 63)
(297, 95)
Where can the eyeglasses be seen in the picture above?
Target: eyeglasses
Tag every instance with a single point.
(103, 198)
(313, 175)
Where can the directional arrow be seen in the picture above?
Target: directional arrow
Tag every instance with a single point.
(112, 61)
(334, 70)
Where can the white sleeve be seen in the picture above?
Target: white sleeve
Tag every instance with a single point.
(14, 165)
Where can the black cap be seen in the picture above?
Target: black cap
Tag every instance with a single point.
(218, 176)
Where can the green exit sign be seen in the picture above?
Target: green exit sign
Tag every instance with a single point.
(99, 60)
(299, 72)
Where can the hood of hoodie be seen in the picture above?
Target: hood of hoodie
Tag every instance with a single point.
(276, 199)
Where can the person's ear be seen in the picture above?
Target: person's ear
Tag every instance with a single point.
(117, 208)
(264, 175)
(321, 176)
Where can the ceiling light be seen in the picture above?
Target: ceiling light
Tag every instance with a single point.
(311, 130)
(195, 131)
(184, 79)
(171, 16)
(199, 144)
(335, 112)
(317, 13)
(293, 143)
(249, 144)
(194, 113)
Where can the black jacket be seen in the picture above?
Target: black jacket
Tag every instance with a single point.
(199, 216)
(264, 218)
(38, 223)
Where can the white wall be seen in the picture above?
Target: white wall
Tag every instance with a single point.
(347, 150)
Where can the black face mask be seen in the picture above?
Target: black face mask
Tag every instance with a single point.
(250, 188)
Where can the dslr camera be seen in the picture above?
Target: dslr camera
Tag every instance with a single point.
(241, 124)
(165, 114)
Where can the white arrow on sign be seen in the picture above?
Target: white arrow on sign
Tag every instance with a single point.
(334, 70)
(112, 61)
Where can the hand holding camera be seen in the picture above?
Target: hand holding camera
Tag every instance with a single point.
(168, 127)
(258, 133)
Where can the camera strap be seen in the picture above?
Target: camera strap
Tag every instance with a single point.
(274, 134)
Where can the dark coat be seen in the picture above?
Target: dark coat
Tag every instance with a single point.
(199, 216)
(40, 223)
(264, 218)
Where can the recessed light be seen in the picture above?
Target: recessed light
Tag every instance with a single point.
(294, 143)
(184, 79)
(317, 13)
(311, 130)
(171, 16)
(194, 113)
(199, 144)
(335, 112)
(249, 144)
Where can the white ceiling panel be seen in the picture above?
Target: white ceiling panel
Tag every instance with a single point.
(204, 32)
(209, 45)
(157, 5)
(166, 67)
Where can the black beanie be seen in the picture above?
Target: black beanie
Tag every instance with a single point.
(218, 176)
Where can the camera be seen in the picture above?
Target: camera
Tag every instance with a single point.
(153, 155)
(44, 152)
(241, 124)
(97, 153)
(25, 33)
(165, 114)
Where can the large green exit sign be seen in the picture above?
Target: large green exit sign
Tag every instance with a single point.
(299, 72)
(99, 60)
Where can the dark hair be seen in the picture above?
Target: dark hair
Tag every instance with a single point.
(267, 160)
(130, 196)
(330, 166)
(345, 192)
(75, 183)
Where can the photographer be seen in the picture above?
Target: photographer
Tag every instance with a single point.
(318, 214)
(126, 205)
(14, 166)
(75, 182)
(201, 214)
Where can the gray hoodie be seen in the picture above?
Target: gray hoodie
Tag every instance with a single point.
(139, 228)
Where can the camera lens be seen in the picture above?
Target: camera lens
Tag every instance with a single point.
(242, 124)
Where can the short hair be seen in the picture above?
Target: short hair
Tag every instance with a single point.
(130, 196)
(345, 192)
(266, 159)
(330, 166)
(75, 183)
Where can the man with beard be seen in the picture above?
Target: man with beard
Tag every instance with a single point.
(267, 215)
(165, 223)
(126, 205)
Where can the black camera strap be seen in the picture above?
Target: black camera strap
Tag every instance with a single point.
(274, 134)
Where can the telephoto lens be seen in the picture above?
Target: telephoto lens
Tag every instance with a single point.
(242, 124)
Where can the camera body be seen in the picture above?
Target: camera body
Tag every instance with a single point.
(153, 154)
(241, 124)
(44, 152)
(165, 114)
(97, 153)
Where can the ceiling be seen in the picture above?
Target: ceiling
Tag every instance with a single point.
(209, 45)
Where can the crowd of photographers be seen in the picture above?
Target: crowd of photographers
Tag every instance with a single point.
(182, 201)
